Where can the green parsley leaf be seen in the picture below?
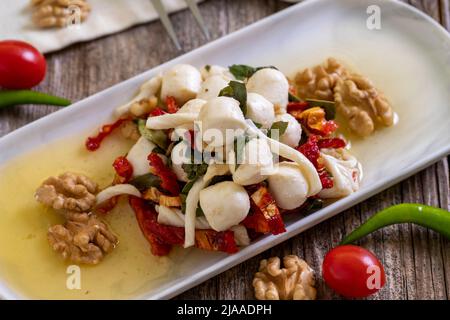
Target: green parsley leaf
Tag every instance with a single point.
(237, 91)
(281, 126)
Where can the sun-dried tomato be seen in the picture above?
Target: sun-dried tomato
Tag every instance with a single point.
(314, 120)
(168, 178)
(310, 149)
(123, 168)
(171, 104)
(157, 112)
(162, 237)
(93, 143)
(331, 143)
(265, 216)
(297, 106)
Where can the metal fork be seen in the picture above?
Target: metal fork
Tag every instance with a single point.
(192, 4)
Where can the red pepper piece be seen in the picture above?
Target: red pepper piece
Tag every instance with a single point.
(146, 216)
(331, 143)
(168, 178)
(310, 150)
(265, 215)
(93, 143)
(171, 104)
(162, 237)
(157, 112)
(123, 168)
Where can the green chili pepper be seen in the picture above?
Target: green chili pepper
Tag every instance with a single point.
(426, 216)
(14, 97)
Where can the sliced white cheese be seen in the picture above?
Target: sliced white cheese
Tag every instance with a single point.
(192, 106)
(180, 155)
(241, 235)
(345, 170)
(117, 190)
(256, 164)
(182, 82)
(170, 120)
(174, 217)
(138, 155)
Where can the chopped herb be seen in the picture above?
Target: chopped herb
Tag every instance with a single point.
(199, 212)
(237, 91)
(158, 137)
(218, 179)
(239, 145)
(242, 71)
(194, 171)
(313, 204)
(328, 106)
(207, 67)
(258, 125)
(293, 98)
(145, 182)
(281, 126)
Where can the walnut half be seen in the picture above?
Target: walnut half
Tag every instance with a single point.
(68, 191)
(362, 104)
(293, 282)
(357, 99)
(59, 13)
(83, 238)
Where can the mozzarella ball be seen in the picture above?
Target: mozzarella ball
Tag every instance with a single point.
(225, 204)
(272, 85)
(260, 110)
(221, 120)
(180, 155)
(288, 186)
(257, 163)
(211, 87)
(182, 82)
(215, 70)
(293, 132)
(192, 106)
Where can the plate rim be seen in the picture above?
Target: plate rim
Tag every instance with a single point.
(268, 241)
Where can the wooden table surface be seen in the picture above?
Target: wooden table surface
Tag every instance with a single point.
(417, 260)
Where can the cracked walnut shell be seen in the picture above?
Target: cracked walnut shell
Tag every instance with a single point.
(83, 238)
(68, 191)
(293, 282)
(362, 105)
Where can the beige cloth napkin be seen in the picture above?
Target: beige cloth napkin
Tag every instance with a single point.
(107, 16)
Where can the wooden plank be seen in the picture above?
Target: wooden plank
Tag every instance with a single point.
(417, 261)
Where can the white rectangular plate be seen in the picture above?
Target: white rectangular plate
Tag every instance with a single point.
(408, 59)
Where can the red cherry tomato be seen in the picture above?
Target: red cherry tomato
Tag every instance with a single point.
(352, 271)
(22, 66)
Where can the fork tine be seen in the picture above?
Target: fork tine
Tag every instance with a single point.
(192, 4)
(159, 7)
